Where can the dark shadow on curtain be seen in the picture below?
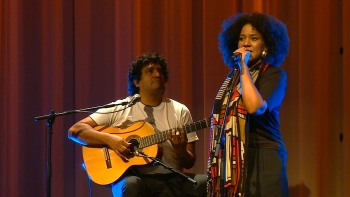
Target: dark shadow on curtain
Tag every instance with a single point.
(300, 190)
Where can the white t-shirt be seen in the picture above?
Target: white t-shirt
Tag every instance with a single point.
(168, 114)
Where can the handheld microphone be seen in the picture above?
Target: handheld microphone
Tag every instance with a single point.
(236, 57)
(134, 99)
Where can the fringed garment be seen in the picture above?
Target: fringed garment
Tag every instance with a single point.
(228, 140)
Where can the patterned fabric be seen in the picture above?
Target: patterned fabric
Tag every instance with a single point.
(228, 140)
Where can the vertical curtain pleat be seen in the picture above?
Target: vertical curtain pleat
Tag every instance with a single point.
(344, 112)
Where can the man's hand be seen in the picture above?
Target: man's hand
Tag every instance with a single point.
(120, 147)
(178, 139)
(185, 151)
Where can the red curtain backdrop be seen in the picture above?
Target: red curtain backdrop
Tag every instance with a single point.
(62, 55)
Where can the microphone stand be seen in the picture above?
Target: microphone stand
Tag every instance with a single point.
(222, 137)
(157, 161)
(50, 119)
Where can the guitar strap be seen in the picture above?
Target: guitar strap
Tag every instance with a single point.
(152, 121)
(150, 116)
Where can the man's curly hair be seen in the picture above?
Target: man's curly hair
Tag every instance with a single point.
(273, 31)
(140, 62)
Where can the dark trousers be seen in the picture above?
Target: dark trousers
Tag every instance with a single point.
(168, 185)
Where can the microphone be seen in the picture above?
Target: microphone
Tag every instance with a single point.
(136, 152)
(134, 99)
(134, 148)
(236, 57)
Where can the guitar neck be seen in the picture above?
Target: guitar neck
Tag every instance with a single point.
(162, 136)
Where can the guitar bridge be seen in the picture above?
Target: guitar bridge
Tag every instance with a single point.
(107, 157)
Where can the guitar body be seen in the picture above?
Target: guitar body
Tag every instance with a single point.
(104, 166)
(95, 158)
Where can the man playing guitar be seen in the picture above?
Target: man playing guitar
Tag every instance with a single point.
(132, 174)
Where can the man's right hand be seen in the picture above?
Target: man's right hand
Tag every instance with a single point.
(84, 133)
(120, 147)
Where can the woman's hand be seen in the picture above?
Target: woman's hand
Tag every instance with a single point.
(245, 55)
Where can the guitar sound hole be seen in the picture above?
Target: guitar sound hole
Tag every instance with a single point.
(134, 144)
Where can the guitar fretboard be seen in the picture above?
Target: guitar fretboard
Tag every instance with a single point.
(162, 136)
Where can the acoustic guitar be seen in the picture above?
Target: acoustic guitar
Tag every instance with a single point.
(104, 166)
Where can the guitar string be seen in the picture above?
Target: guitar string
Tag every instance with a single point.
(157, 137)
